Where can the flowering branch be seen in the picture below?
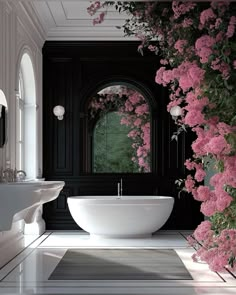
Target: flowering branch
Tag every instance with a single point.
(197, 49)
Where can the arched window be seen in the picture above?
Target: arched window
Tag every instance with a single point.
(26, 118)
(121, 132)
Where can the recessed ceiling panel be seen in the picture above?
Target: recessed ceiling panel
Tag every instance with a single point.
(69, 20)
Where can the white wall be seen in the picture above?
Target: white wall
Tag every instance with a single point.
(19, 33)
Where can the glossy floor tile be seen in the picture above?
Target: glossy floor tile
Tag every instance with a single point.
(29, 271)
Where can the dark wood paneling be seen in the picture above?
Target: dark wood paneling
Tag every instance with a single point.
(72, 72)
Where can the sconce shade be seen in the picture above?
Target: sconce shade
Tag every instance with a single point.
(59, 111)
(176, 111)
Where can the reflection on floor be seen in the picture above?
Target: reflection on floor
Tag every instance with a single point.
(28, 272)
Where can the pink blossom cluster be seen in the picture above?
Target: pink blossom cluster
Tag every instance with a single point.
(231, 27)
(135, 114)
(187, 80)
(99, 19)
(94, 7)
(180, 45)
(181, 8)
(223, 67)
(207, 15)
(211, 140)
(218, 258)
(195, 105)
(188, 74)
(203, 46)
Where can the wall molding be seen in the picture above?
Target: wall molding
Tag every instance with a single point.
(18, 29)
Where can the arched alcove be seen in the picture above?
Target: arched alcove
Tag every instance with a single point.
(26, 156)
(113, 84)
(119, 123)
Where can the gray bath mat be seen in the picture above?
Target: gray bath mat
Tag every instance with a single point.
(120, 264)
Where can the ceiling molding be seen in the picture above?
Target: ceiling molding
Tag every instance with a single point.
(69, 20)
(63, 20)
(35, 23)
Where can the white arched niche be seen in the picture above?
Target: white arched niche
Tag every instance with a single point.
(26, 126)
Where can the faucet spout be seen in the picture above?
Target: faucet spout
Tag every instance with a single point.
(118, 190)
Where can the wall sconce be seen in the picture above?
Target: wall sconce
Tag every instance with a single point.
(175, 112)
(59, 111)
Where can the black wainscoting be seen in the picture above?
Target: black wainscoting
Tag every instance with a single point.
(72, 73)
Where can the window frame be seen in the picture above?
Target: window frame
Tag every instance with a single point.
(86, 126)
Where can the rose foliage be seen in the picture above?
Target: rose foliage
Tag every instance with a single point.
(134, 112)
(196, 46)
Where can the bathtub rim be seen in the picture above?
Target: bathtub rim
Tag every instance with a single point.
(115, 200)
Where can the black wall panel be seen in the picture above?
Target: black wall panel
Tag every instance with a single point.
(72, 73)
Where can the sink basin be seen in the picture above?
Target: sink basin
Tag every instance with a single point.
(23, 200)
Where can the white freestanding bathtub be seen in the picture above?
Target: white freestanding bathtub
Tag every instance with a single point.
(125, 217)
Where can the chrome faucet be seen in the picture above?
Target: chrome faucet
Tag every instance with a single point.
(10, 175)
(119, 189)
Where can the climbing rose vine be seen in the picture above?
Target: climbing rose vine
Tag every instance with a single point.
(134, 112)
(196, 47)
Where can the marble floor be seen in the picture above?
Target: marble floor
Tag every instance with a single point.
(28, 272)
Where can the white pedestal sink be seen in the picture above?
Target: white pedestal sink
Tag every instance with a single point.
(24, 200)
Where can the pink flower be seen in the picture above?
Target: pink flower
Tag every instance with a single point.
(194, 118)
(190, 75)
(203, 193)
(218, 145)
(92, 9)
(218, 262)
(223, 200)
(234, 64)
(203, 231)
(181, 8)
(137, 122)
(164, 62)
(167, 76)
(218, 23)
(203, 47)
(133, 133)
(142, 109)
(200, 174)
(189, 164)
(208, 207)
(135, 98)
(152, 48)
(179, 45)
(99, 19)
(124, 121)
(230, 31)
(187, 22)
(128, 106)
(231, 27)
(215, 179)
(224, 128)
(159, 76)
(189, 183)
(207, 15)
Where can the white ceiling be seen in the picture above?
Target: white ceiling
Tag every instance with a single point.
(69, 20)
